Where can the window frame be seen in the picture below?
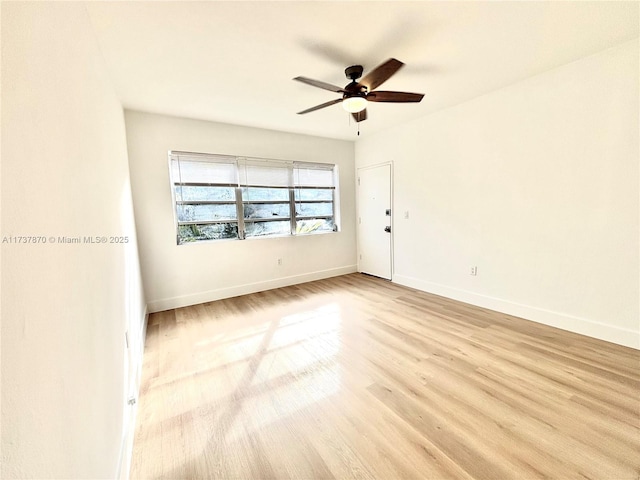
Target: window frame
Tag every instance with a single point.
(240, 186)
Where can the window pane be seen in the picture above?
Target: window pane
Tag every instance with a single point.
(314, 194)
(261, 229)
(192, 233)
(258, 194)
(188, 194)
(191, 213)
(314, 225)
(311, 209)
(266, 210)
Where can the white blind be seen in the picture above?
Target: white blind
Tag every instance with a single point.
(265, 173)
(201, 168)
(306, 175)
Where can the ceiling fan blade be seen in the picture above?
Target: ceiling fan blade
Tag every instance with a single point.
(381, 74)
(319, 84)
(399, 97)
(318, 107)
(360, 116)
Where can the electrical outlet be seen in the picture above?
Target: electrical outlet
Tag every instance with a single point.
(406, 214)
(474, 271)
(280, 262)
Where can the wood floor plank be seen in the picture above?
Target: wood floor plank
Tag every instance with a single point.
(355, 377)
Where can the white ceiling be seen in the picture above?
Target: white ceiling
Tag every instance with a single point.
(234, 61)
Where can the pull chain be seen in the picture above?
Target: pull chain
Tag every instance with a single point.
(357, 123)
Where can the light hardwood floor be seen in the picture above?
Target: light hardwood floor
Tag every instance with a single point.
(355, 377)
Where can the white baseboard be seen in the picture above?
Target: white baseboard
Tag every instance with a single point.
(219, 294)
(590, 328)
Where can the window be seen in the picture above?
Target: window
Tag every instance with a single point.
(313, 199)
(224, 197)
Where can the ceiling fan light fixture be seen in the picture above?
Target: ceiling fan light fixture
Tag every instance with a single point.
(354, 104)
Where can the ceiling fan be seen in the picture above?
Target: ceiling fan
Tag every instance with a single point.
(356, 95)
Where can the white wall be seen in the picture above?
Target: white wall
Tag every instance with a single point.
(178, 275)
(536, 185)
(65, 307)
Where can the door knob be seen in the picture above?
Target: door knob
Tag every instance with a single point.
(387, 229)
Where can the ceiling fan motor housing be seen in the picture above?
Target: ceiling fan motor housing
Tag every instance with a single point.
(354, 89)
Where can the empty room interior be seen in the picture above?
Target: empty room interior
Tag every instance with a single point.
(320, 240)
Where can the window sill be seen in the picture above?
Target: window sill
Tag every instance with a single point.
(225, 240)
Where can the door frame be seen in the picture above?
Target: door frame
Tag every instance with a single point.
(393, 227)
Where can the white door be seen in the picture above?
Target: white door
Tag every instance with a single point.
(374, 221)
